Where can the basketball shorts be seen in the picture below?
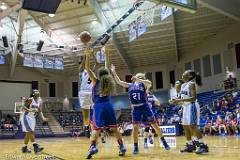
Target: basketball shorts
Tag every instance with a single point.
(143, 114)
(28, 122)
(103, 116)
(191, 114)
(85, 100)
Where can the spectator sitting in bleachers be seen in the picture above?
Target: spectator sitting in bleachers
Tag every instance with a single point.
(224, 104)
(69, 119)
(208, 126)
(231, 123)
(129, 128)
(238, 119)
(219, 125)
(8, 122)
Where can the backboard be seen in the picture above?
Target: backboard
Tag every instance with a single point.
(184, 5)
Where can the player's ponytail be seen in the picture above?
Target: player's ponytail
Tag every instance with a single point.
(107, 84)
(197, 78)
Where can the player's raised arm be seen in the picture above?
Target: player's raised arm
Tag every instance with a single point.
(107, 61)
(117, 79)
(82, 64)
(87, 53)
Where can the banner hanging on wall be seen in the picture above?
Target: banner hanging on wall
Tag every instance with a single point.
(59, 64)
(49, 62)
(132, 30)
(28, 60)
(43, 61)
(141, 26)
(38, 61)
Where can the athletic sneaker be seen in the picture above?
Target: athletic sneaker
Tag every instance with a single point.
(135, 150)
(203, 148)
(37, 148)
(122, 150)
(188, 148)
(165, 144)
(92, 150)
(25, 150)
(145, 145)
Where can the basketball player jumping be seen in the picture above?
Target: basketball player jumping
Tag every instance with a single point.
(103, 112)
(85, 95)
(141, 112)
(28, 121)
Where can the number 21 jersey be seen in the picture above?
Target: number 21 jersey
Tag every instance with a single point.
(137, 93)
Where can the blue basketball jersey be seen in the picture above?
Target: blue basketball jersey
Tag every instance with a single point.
(96, 97)
(151, 103)
(137, 93)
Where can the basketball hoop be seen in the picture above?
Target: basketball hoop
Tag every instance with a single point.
(147, 8)
(145, 5)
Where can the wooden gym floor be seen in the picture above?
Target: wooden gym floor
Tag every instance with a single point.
(221, 148)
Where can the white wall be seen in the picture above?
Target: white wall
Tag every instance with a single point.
(214, 45)
(211, 46)
(11, 92)
(29, 75)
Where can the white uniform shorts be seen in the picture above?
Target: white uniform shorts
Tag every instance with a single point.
(28, 122)
(85, 100)
(191, 114)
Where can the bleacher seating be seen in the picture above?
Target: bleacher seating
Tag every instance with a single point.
(207, 98)
(69, 121)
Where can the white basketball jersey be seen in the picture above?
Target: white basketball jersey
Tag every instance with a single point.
(185, 91)
(85, 84)
(174, 94)
(34, 104)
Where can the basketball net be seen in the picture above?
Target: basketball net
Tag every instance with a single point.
(147, 9)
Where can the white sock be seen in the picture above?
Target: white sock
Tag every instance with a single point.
(194, 138)
(200, 140)
(190, 142)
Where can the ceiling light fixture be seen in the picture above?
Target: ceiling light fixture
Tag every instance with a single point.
(3, 6)
(94, 22)
(51, 15)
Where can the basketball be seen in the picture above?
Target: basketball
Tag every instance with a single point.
(85, 37)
